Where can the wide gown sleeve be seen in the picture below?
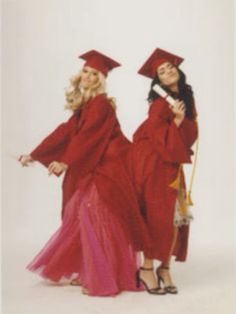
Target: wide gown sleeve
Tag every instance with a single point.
(189, 130)
(88, 145)
(172, 142)
(53, 146)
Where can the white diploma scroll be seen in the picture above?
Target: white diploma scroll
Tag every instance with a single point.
(160, 91)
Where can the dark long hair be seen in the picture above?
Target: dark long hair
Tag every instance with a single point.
(185, 93)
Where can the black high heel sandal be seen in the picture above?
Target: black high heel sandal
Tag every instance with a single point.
(158, 290)
(169, 289)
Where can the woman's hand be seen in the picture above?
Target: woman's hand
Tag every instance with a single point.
(57, 168)
(25, 160)
(179, 111)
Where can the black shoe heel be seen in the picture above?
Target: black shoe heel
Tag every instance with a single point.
(137, 279)
(158, 290)
(168, 289)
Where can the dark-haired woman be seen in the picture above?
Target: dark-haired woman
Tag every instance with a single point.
(160, 146)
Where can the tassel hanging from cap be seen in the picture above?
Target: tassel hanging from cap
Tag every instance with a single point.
(189, 198)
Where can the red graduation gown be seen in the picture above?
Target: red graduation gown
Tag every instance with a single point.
(91, 143)
(159, 147)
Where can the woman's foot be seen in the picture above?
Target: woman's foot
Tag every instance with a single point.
(164, 276)
(147, 278)
(85, 291)
(75, 282)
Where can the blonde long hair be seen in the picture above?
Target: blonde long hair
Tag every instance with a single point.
(76, 97)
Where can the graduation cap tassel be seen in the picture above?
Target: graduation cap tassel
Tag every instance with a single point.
(189, 198)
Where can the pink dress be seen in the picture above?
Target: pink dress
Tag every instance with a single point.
(90, 244)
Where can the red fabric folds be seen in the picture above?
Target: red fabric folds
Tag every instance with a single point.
(158, 150)
(102, 243)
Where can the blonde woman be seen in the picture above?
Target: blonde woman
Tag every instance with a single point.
(102, 231)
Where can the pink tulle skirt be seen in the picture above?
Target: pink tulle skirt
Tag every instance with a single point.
(89, 244)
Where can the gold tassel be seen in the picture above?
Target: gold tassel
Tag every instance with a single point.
(176, 183)
(182, 202)
(189, 199)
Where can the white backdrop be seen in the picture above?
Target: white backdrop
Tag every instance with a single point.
(41, 42)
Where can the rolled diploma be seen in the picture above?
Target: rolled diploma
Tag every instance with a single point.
(159, 90)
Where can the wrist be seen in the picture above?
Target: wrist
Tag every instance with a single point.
(64, 166)
(178, 121)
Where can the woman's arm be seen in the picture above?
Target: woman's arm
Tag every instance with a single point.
(53, 146)
(189, 129)
(167, 135)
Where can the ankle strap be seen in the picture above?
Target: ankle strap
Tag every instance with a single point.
(163, 267)
(143, 268)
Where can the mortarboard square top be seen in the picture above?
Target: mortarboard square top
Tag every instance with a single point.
(158, 57)
(99, 61)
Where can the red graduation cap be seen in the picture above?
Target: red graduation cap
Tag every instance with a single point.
(158, 57)
(99, 61)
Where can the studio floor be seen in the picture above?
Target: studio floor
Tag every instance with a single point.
(206, 284)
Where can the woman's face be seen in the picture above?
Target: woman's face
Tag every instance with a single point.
(168, 74)
(89, 77)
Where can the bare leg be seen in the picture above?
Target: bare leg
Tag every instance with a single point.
(148, 263)
(148, 276)
(163, 269)
(175, 235)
